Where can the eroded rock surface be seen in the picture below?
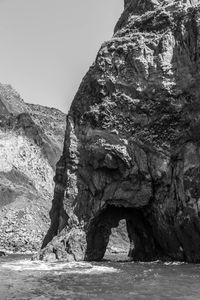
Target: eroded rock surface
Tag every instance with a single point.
(31, 138)
(132, 143)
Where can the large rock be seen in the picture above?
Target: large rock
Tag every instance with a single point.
(31, 138)
(132, 143)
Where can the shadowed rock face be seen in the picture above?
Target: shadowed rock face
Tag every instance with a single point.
(132, 143)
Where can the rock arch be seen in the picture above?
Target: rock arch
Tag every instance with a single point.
(142, 243)
(132, 140)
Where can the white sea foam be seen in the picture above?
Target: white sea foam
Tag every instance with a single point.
(58, 267)
(174, 263)
(167, 263)
(94, 270)
(149, 262)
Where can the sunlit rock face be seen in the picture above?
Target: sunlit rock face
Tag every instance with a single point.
(132, 143)
(31, 138)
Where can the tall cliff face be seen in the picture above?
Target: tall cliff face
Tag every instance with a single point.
(132, 143)
(31, 138)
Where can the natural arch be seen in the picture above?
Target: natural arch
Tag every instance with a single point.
(142, 243)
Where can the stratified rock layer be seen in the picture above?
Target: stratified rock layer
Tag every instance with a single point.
(132, 143)
(31, 138)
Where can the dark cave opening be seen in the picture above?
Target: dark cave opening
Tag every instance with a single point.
(142, 243)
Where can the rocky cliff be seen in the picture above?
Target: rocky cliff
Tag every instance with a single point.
(132, 142)
(31, 138)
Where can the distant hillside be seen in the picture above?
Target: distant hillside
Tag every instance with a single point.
(31, 138)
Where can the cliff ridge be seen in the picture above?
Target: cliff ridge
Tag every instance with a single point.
(31, 138)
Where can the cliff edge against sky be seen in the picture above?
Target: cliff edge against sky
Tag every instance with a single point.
(31, 138)
(132, 142)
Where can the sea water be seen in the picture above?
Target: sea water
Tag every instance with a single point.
(23, 279)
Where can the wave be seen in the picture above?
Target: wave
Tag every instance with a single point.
(167, 263)
(174, 263)
(58, 267)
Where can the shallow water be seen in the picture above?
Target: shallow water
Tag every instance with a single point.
(22, 279)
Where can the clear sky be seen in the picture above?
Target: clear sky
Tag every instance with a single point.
(46, 46)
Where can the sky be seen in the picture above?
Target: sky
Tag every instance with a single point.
(47, 46)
